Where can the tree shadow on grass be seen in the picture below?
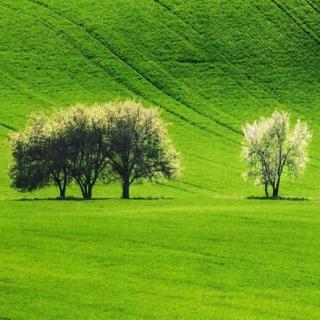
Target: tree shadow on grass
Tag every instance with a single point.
(69, 199)
(278, 198)
(148, 198)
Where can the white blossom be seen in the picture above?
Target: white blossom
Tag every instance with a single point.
(270, 147)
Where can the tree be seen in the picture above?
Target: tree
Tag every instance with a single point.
(270, 147)
(39, 156)
(83, 132)
(114, 141)
(57, 153)
(138, 145)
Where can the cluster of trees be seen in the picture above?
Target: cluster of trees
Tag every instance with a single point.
(115, 141)
(271, 148)
(126, 142)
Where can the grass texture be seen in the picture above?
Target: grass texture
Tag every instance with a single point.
(196, 248)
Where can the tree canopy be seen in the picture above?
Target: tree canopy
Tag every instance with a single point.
(115, 141)
(140, 148)
(270, 146)
(40, 155)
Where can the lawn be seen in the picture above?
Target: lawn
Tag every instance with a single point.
(159, 259)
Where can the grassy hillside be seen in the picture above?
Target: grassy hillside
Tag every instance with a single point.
(210, 65)
(191, 249)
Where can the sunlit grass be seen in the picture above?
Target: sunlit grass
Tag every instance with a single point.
(196, 248)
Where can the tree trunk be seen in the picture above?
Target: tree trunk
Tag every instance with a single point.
(275, 191)
(61, 183)
(266, 190)
(125, 188)
(62, 188)
(62, 193)
(87, 192)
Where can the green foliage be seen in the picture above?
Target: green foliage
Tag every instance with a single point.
(40, 155)
(139, 145)
(83, 133)
(124, 141)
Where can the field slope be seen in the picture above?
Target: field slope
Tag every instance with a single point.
(198, 249)
(210, 65)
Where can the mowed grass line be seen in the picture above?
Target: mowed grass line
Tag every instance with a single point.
(159, 259)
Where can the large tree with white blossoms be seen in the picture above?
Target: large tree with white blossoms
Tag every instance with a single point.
(271, 148)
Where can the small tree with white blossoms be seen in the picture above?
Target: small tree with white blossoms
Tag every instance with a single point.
(271, 148)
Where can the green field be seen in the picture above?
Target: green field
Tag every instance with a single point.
(196, 248)
(160, 259)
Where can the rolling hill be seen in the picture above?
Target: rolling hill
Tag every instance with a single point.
(211, 66)
(195, 248)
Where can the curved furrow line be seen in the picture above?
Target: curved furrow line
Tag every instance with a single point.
(313, 6)
(177, 16)
(41, 22)
(95, 61)
(224, 69)
(227, 62)
(90, 57)
(96, 36)
(269, 17)
(298, 22)
(8, 127)
(167, 8)
(23, 88)
(181, 32)
(86, 54)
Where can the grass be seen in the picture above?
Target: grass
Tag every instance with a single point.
(205, 246)
(159, 259)
(209, 66)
